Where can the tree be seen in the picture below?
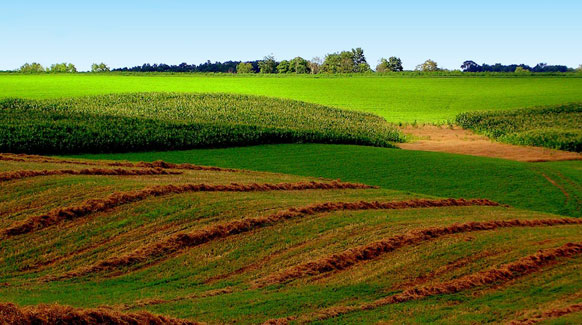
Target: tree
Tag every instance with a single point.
(358, 56)
(345, 62)
(63, 68)
(428, 65)
(392, 64)
(521, 70)
(283, 67)
(331, 63)
(268, 65)
(315, 65)
(245, 67)
(33, 67)
(102, 67)
(579, 69)
(299, 65)
(471, 66)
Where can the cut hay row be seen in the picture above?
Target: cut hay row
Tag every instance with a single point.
(57, 314)
(549, 314)
(141, 164)
(183, 241)
(501, 274)
(20, 174)
(449, 267)
(120, 198)
(353, 256)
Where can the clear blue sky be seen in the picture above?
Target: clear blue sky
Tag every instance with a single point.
(128, 33)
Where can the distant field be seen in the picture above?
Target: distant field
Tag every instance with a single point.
(556, 127)
(521, 185)
(398, 99)
(224, 246)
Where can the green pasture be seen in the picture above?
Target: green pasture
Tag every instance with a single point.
(396, 98)
(518, 184)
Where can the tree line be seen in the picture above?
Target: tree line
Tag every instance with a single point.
(64, 67)
(349, 61)
(471, 66)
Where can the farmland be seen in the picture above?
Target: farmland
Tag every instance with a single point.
(222, 199)
(558, 127)
(146, 121)
(397, 99)
(263, 251)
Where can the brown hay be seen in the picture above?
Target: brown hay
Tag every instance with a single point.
(57, 314)
(19, 174)
(185, 240)
(553, 313)
(155, 164)
(373, 250)
(504, 273)
(120, 198)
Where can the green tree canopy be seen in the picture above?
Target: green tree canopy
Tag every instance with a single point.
(63, 68)
(283, 67)
(428, 65)
(268, 65)
(391, 64)
(521, 70)
(299, 65)
(245, 67)
(346, 62)
(101, 67)
(33, 67)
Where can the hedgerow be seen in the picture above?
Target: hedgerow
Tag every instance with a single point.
(156, 121)
(556, 127)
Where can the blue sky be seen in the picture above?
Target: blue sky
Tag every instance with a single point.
(128, 33)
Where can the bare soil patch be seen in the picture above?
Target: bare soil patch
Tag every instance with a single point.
(460, 141)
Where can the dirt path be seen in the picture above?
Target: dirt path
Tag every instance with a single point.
(457, 140)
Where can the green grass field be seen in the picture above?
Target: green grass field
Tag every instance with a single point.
(518, 184)
(398, 99)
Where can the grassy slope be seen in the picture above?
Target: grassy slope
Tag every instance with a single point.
(518, 184)
(268, 250)
(395, 98)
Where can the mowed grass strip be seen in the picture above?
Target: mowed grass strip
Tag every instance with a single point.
(160, 121)
(356, 255)
(501, 274)
(518, 184)
(20, 174)
(120, 198)
(184, 241)
(156, 164)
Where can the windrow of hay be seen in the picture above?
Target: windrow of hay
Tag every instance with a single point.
(20, 174)
(549, 314)
(182, 241)
(142, 164)
(120, 198)
(57, 314)
(501, 274)
(353, 256)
